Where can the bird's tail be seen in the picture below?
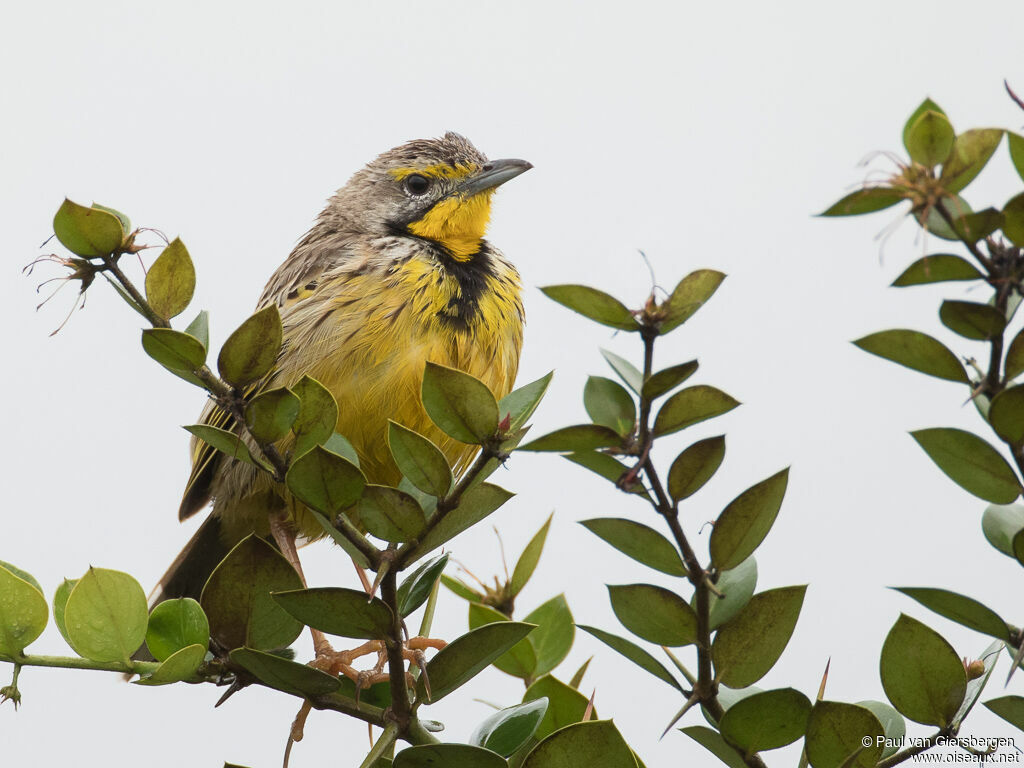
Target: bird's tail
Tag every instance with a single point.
(191, 569)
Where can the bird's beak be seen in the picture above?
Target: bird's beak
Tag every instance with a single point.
(494, 173)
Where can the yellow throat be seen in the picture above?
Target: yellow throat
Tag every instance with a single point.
(458, 223)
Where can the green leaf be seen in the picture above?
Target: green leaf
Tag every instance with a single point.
(390, 514)
(766, 720)
(454, 755)
(521, 659)
(460, 589)
(200, 328)
(980, 322)
(1001, 524)
(270, 414)
(930, 139)
(668, 379)
(713, 742)
(519, 404)
(178, 352)
(695, 466)
(126, 223)
(339, 444)
(747, 646)
(1006, 415)
(566, 705)
(223, 441)
(921, 673)
(892, 722)
(1013, 219)
(689, 295)
(976, 226)
(527, 562)
(727, 697)
(180, 665)
(171, 281)
(1016, 143)
(476, 504)
(595, 744)
(88, 232)
(582, 437)
(690, 406)
(510, 728)
(23, 610)
(609, 468)
(285, 675)
(625, 370)
(654, 614)
(835, 730)
(745, 522)
(419, 460)
(1010, 708)
(60, 601)
(338, 611)
(866, 200)
(552, 639)
(639, 542)
(459, 404)
(971, 463)
(1015, 357)
(105, 615)
(971, 152)
(917, 351)
(737, 585)
(176, 624)
(416, 587)
(325, 481)
(925, 106)
(318, 415)
(466, 656)
(251, 350)
(237, 598)
(593, 304)
(609, 404)
(963, 610)
(937, 268)
(931, 219)
(634, 653)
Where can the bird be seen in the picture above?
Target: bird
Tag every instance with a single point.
(395, 272)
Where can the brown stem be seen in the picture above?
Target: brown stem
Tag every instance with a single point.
(401, 711)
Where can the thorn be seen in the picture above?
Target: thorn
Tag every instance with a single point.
(824, 679)
(234, 688)
(694, 698)
(1014, 96)
(589, 711)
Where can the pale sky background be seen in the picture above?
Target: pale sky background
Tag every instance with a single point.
(705, 134)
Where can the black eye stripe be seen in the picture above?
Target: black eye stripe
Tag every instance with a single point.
(417, 184)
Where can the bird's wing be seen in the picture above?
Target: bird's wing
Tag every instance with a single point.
(294, 281)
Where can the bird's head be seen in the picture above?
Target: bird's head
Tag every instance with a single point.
(436, 189)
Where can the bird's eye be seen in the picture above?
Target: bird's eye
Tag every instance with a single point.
(416, 184)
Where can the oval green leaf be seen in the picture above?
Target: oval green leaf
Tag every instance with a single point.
(737, 587)
(224, 441)
(179, 352)
(689, 295)
(23, 610)
(594, 744)
(459, 404)
(476, 504)
(639, 542)
(285, 675)
(325, 481)
(416, 587)
(930, 139)
(894, 725)
(390, 514)
(237, 599)
(419, 460)
(609, 404)
(937, 268)
(180, 665)
(634, 653)
(176, 624)
(448, 756)
(691, 406)
(88, 232)
(318, 415)
(1010, 708)
(271, 414)
(251, 350)
(1001, 524)
(625, 370)
(654, 614)
(917, 351)
(745, 522)
(1006, 415)
(971, 152)
(921, 673)
(668, 379)
(593, 304)
(971, 463)
(747, 646)
(979, 322)
(867, 200)
(338, 611)
(961, 609)
(521, 659)
(527, 562)
(106, 615)
(766, 720)
(171, 281)
(553, 637)
(695, 466)
(582, 437)
(510, 728)
(836, 730)
(519, 404)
